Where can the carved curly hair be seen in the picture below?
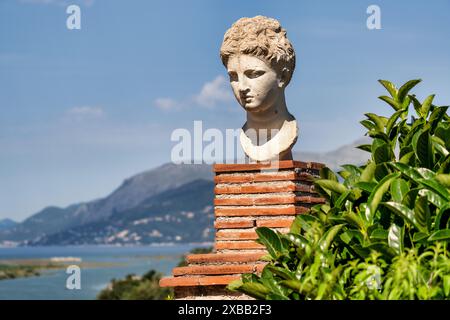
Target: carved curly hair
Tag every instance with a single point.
(262, 37)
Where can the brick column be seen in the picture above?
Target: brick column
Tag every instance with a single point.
(247, 196)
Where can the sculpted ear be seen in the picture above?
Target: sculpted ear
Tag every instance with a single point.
(283, 77)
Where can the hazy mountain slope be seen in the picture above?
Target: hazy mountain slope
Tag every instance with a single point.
(141, 186)
(7, 224)
(133, 198)
(129, 194)
(347, 154)
(183, 214)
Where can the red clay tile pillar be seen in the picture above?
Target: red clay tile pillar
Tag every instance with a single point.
(247, 196)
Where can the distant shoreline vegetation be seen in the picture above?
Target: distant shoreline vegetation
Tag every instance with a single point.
(14, 269)
(145, 287)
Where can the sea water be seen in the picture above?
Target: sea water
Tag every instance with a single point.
(106, 263)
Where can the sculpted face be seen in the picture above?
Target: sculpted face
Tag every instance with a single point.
(256, 85)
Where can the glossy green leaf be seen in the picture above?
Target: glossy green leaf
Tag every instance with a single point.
(391, 122)
(436, 116)
(395, 238)
(328, 237)
(406, 102)
(433, 197)
(404, 89)
(445, 165)
(426, 105)
(365, 147)
(267, 279)
(328, 174)
(439, 146)
(355, 220)
(368, 173)
(379, 121)
(390, 87)
(344, 174)
(417, 126)
(331, 185)
(443, 132)
(369, 125)
(435, 186)
(342, 198)
(422, 212)
(381, 171)
(383, 154)
(379, 135)
(298, 286)
(366, 186)
(275, 297)
(306, 221)
(354, 170)
(410, 197)
(405, 157)
(419, 236)
(297, 240)
(405, 213)
(446, 285)
(408, 171)
(442, 218)
(426, 173)
(377, 194)
(379, 234)
(440, 235)
(254, 289)
(417, 105)
(270, 240)
(423, 148)
(399, 188)
(381, 247)
(348, 235)
(444, 179)
(393, 103)
(235, 285)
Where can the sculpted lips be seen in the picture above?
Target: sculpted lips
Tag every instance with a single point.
(246, 98)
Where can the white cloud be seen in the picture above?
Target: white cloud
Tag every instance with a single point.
(166, 104)
(214, 92)
(86, 112)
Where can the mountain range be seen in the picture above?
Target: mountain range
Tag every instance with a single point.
(7, 224)
(171, 203)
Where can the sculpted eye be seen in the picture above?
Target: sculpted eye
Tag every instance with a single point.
(255, 73)
(233, 76)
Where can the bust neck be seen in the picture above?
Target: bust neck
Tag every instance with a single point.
(277, 148)
(270, 120)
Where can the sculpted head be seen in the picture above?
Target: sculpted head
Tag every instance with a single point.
(260, 61)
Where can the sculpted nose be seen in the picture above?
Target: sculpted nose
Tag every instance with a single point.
(243, 87)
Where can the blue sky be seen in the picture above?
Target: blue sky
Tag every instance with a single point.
(80, 110)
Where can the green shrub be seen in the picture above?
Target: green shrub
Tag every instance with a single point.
(136, 288)
(147, 287)
(383, 231)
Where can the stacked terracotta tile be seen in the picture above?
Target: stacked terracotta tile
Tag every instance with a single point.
(247, 196)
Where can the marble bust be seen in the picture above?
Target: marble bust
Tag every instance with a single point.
(260, 61)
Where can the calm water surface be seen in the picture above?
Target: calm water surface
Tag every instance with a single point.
(120, 260)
